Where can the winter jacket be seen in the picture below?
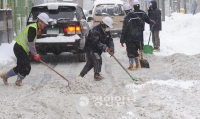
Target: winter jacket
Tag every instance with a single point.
(155, 14)
(143, 16)
(194, 5)
(132, 28)
(98, 41)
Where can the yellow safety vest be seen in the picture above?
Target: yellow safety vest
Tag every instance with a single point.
(22, 38)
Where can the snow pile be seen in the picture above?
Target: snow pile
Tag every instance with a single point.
(90, 100)
(6, 54)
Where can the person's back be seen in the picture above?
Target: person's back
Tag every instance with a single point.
(131, 36)
(143, 16)
(141, 13)
(131, 30)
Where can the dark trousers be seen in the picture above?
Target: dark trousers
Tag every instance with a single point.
(132, 49)
(156, 39)
(142, 40)
(94, 60)
(23, 63)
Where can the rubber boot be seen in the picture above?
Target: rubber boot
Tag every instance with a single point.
(19, 80)
(97, 77)
(7, 75)
(137, 62)
(131, 66)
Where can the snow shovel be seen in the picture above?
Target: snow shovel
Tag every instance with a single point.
(148, 49)
(144, 63)
(55, 72)
(121, 66)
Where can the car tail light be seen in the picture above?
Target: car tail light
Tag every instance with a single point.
(96, 20)
(69, 44)
(78, 30)
(70, 30)
(122, 20)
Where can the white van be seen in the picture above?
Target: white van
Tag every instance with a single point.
(112, 8)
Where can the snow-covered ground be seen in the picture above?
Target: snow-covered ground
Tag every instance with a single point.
(169, 89)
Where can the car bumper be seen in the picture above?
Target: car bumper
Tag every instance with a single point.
(60, 43)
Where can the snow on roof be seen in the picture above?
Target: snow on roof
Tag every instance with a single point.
(108, 2)
(57, 4)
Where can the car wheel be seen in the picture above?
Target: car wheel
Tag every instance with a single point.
(81, 57)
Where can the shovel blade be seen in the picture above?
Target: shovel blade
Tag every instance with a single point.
(144, 63)
(148, 49)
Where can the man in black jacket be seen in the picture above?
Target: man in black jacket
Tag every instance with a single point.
(131, 36)
(98, 40)
(143, 16)
(155, 14)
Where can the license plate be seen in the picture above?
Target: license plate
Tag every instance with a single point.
(53, 31)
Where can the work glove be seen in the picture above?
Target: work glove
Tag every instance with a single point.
(39, 31)
(153, 21)
(37, 57)
(122, 44)
(110, 50)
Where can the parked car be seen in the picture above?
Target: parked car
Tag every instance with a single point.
(112, 8)
(66, 30)
(86, 12)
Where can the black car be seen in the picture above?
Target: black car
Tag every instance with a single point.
(66, 30)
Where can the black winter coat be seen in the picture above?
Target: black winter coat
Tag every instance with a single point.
(132, 28)
(98, 41)
(143, 16)
(155, 14)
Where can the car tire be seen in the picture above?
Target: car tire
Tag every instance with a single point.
(81, 57)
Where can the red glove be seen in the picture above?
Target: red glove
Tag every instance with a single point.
(122, 44)
(153, 21)
(110, 50)
(39, 31)
(37, 58)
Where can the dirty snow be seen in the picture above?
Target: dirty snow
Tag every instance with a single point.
(168, 90)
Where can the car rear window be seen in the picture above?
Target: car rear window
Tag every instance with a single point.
(61, 12)
(109, 10)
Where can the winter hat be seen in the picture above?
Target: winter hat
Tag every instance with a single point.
(136, 2)
(127, 6)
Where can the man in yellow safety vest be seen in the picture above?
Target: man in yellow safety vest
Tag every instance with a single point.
(25, 47)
